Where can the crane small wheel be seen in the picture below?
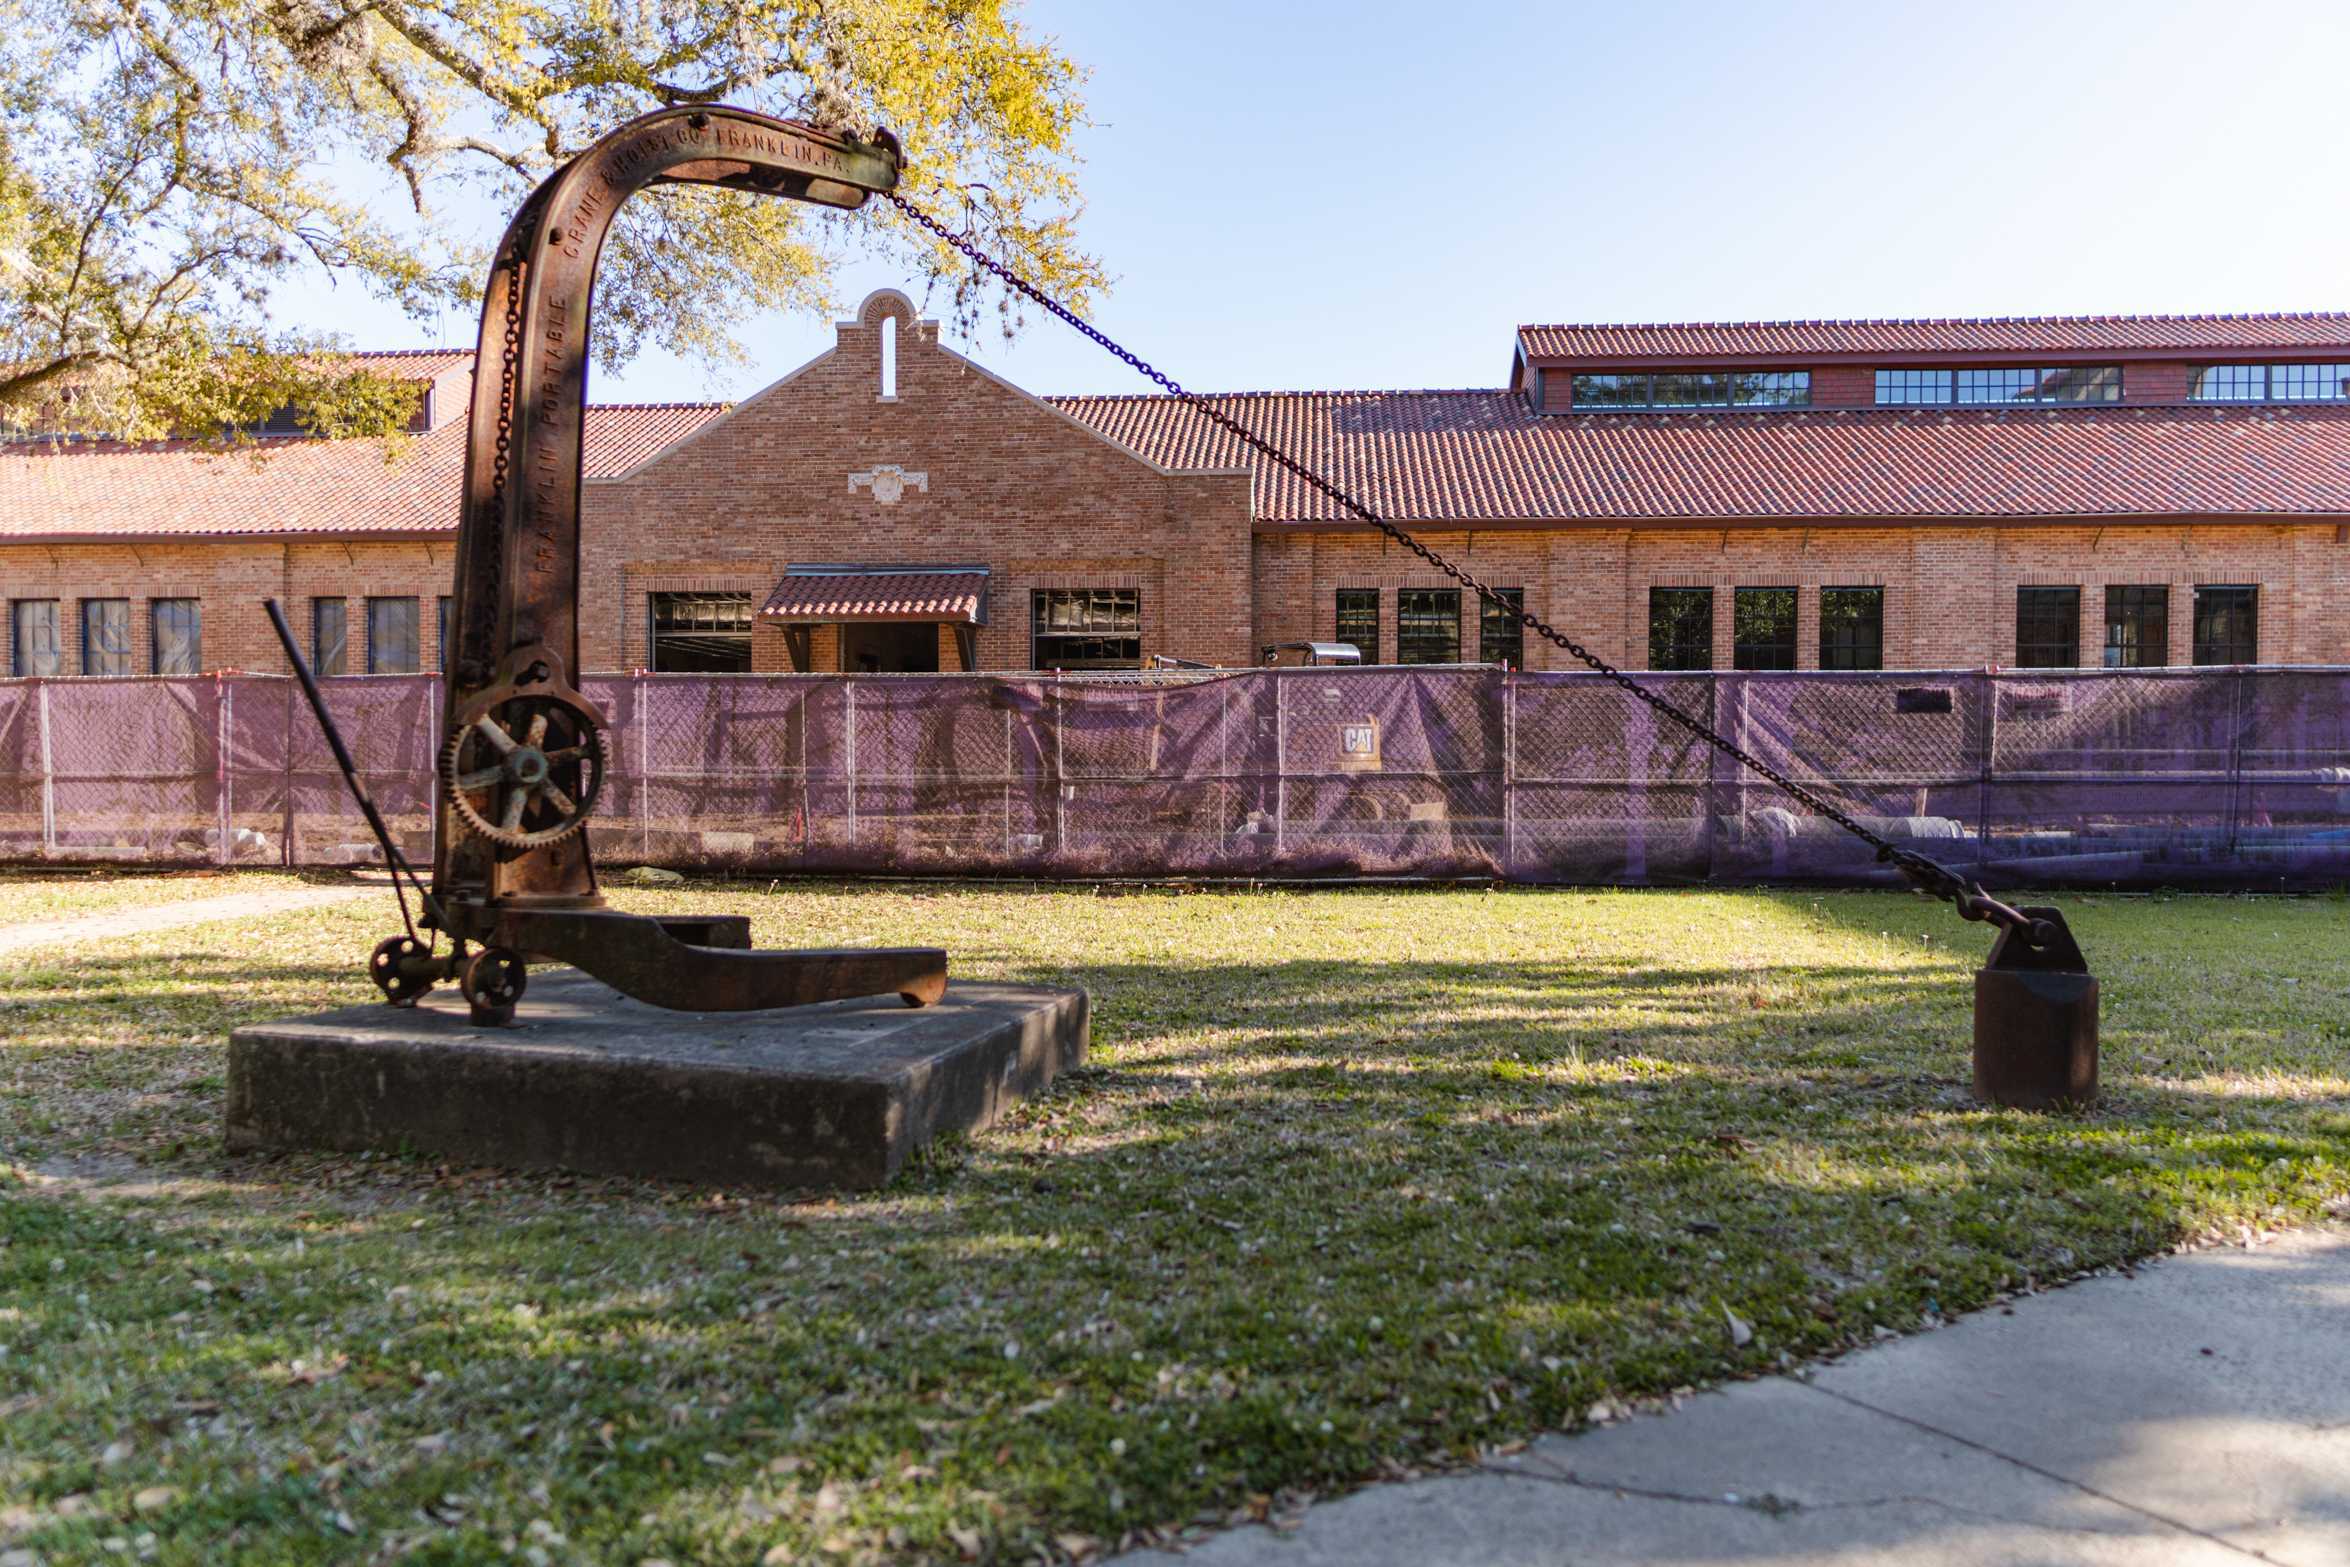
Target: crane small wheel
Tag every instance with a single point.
(493, 980)
(390, 967)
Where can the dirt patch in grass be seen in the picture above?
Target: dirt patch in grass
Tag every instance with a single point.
(1358, 1180)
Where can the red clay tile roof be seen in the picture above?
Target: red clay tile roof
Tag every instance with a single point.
(282, 486)
(1478, 458)
(879, 595)
(409, 364)
(1696, 340)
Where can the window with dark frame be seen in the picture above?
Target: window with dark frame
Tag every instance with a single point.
(1085, 628)
(2137, 626)
(392, 637)
(700, 633)
(1904, 388)
(1358, 621)
(175, 643)
(1762, 628)
(1428, 626)
(106, 636)
(440, 639)
(1852, 628)
(33, 645)
(2227, 624)
(2270, 383)
(330, 637)
(2000, 385)
(2047, 628)
(1680, 628)
(1667, 389)
(1501, 636)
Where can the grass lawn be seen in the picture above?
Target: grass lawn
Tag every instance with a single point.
(1358, 1180)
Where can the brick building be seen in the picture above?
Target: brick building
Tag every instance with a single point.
(2054, 492)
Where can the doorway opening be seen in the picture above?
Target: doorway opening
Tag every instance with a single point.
(890, 648)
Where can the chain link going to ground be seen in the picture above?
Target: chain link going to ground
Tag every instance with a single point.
(1932, 878)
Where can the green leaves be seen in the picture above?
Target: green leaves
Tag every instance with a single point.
(164, 167)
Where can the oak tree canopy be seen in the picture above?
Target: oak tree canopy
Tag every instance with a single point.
(166, 165)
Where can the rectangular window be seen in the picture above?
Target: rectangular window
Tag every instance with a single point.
(32, 638)
(1501, 636)
(440, 640)
(1762, 626)
(1852, 628)
(2276, 383)
(2308, 383)
(1358, 621)
(2137, 627)
(1085, 628)
(2048, 628)
(1610, 391)
(2001, 385)
(391, 637)
(2227, 625)
(2229, 384)
(1693, 389)
(1680, 628)
(176, 645)
(106, 636)
(330, 637)
(2081, 384)
(1428, 626)
(1770, 389)
(1902, 388)
(701, 633)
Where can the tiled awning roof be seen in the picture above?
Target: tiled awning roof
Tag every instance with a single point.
(895, 593)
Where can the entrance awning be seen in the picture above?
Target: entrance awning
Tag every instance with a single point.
(880, 593)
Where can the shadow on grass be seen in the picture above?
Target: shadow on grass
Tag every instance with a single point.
(1303, 1218)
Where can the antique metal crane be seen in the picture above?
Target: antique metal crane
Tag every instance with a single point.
(522, 759)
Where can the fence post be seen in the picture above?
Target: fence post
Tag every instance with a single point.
(1060, 773)
(849, 726)
(224, 690)
(2236, 785)
(1280, 766)
(1990, 683)
(1007, 782)
(285, 847)
(644, 770)
(1713, 769)
(1509, 773)
(48, 779)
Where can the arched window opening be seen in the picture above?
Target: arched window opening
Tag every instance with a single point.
(889, 359)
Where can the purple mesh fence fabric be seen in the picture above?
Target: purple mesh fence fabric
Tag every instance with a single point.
(2215, 778)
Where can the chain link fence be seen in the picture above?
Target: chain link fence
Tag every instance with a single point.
(2233, 778)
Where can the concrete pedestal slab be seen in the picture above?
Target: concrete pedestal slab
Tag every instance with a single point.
(836, 1095)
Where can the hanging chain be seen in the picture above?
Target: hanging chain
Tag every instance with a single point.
(1937, 880)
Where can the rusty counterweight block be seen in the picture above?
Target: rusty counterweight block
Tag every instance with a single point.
(2036, 1019)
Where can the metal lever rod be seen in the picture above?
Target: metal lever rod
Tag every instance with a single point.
(334, 739)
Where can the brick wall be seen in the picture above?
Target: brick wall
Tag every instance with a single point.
(230, 579)
(1949, 591)
(1011, 483)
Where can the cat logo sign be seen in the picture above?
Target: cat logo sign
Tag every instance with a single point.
(1358, 746)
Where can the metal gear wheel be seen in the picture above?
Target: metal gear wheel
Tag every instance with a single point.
(526, 770)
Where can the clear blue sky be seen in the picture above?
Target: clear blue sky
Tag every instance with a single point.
(1297, 194)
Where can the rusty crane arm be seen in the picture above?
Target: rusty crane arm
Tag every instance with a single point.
(522, 754)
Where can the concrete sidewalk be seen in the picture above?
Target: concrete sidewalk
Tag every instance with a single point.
(2198, 1413)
